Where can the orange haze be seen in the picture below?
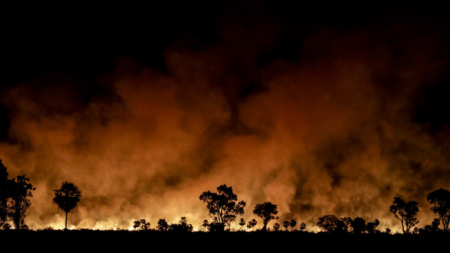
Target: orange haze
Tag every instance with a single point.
(331, 133)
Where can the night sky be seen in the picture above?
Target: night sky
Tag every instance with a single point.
(318, 108)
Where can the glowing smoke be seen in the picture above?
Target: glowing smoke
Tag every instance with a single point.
(330, 134)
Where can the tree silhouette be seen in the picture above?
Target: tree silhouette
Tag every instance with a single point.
(329, 223)
(435, 224)
(136, 224)
(162, 225)
(20, 191)
(4, 194)
(14, 198)
(276, 227)
(204, 226)
(292, 224)
(144, 225)
(266, 212)
(286, 225)
(215, 227)
(222, 206)
(251, 224)
(406, 213)
(372, 226)
(441, 201)
(434, 227)
(67, 197)
(242, 223)
(182, 226)
(358, 225)
(302, 227)
(345, 224)
(228, 219)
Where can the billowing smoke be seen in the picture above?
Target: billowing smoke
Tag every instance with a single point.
(334, 131)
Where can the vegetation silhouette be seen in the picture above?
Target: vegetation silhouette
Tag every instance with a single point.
(358, 225)
(222, 206)
(292, 224)
(330, 223)
(136, 224)
(142, 224)
(302, 227)
(20, 192)
(433, 228)
(371, 227)
(204, 226)
(441, 201)
(182, 226)
(67, 197)
(251, 224)
(345, 224)
(242, 223)
(266, 212)
(14, 199)
(406, 213)
(162, 225)
(276, 226)
(286, 225)
(4, 195)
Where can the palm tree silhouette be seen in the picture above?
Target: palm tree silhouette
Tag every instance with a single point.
(67, 197)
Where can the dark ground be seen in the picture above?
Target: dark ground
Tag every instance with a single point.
(152, 241)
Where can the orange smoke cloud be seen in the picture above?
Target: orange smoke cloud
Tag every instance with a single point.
(328, 134)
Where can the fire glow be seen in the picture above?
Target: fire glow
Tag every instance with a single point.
(332, 133)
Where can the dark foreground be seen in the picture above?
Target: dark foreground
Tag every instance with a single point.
(153, 241)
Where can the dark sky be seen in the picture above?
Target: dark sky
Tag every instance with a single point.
(319, 108)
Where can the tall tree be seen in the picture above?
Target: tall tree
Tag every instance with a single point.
(223, 206)
(20, 192)
(67, 197)
(406, 213)
(266, 212)
(441, 201)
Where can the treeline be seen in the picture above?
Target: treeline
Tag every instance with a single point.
(224, 207)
